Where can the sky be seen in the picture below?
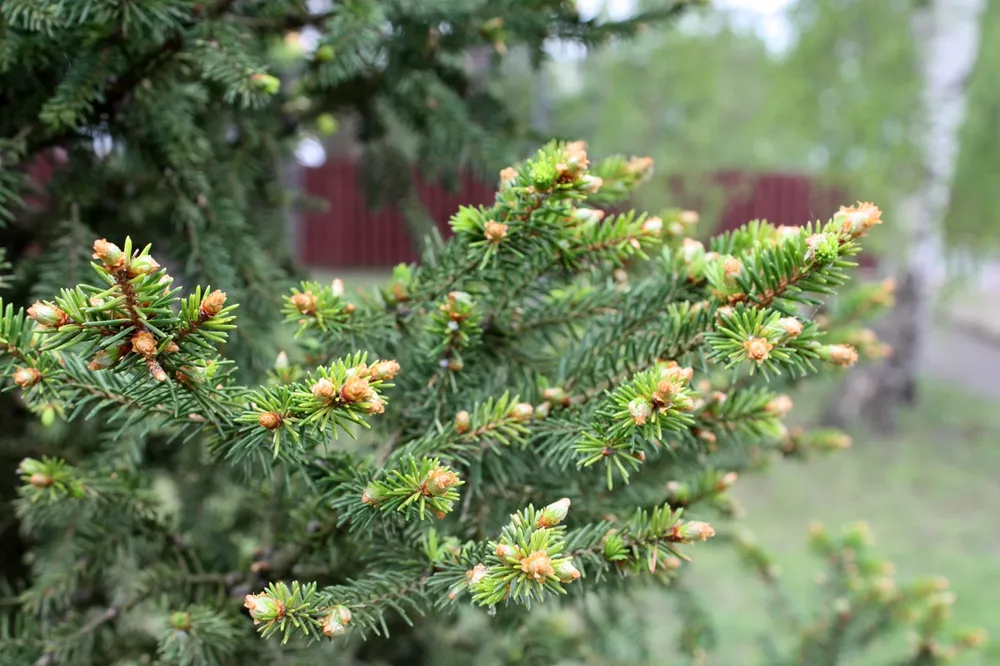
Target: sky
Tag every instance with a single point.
(764, 16)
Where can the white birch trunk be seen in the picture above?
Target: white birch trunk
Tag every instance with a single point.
(947, 37)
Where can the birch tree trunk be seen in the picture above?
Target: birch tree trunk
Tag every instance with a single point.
(947, 35)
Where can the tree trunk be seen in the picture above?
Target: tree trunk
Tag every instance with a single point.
(947, 34)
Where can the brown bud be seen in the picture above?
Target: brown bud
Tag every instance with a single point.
(375, 404)
(355, 389)
(780, 406)
(213, 303)
(757, 349)
(269, 420)
(640, 166)
(732, 267)
(439, 481)
(522, 412)
(640, 409)
(157, 371)
(462, 422)
(144, 343)
(476, 574)
(843, 355)
(109, 253)
(495, 231)
(537, 565)
(507, 176)
(27, 377)
(790, 326)
(40, 480)
(48, 315)
(305, 302)
(324, 389)
(171, 348)
(690, 217)
(384, 370)
(653, 226)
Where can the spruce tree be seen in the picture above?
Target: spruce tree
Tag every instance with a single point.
(553, 403)
(511, 421)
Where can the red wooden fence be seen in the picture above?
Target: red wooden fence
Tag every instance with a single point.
(350, 235)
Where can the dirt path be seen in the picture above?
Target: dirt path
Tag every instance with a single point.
(964, 358)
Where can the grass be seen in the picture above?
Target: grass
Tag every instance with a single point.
(929, 494)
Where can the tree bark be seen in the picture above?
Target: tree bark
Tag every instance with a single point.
(947, 34)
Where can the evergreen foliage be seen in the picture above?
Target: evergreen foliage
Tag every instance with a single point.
(546, 410)
(542, 425)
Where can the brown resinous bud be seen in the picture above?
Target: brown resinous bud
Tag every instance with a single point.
(640, 410)
(690, 217)
(695, 530)
(269, 420)
(372, 496)
(27, 377)
(780, 406)
(537, 565)
(576, 155)
(554, 513)
(48, 315)
(143, 265)
(663, 395)
(324, 389)
(757, 349)
(842, 355)
(495, 231)
(110, 254)
(40, 480)
(556, 394)
(691, 249)
(463, 422)
(476, 574)
(587, 216)
(727, 481)
(642, 167)
(592, 183)
(508, 176)
(504, 551)
(263, 608)
(100, 361)
(522, 412)
(732, 267)
(856, 220)
(439, 481)
(337, 287)
(305, 302)
(335, 624)
(566, 572)
(652, 226)
(213, 304)
(383, 370)
(144, 344)
(672, 369)
(375, 404)
(355, 389)
(790, 326)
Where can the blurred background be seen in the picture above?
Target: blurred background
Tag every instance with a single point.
(782, 110)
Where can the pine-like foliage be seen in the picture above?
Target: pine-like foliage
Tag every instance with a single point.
(499, 430)
(172, 119)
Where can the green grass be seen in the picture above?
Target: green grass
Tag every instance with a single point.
(930, 494)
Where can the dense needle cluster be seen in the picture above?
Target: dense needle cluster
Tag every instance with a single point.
(605, 367)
